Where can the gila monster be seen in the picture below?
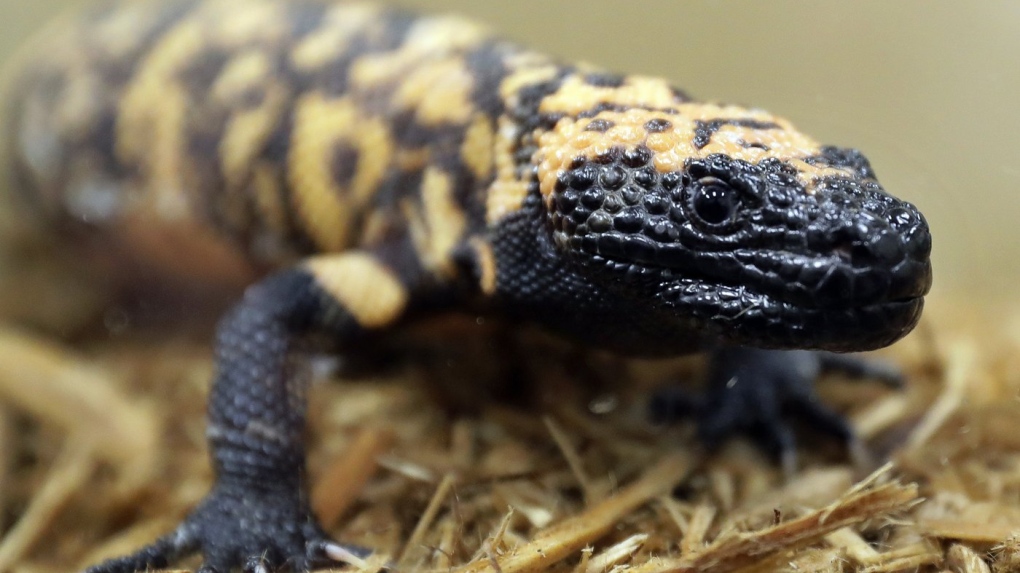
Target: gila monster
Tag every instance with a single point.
(368, 166)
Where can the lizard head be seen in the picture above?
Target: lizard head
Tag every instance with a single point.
(732, 219)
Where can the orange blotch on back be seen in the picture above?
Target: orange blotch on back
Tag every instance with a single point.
(674, 141)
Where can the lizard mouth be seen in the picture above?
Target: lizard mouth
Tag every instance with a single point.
(773, 298)
(835, 280)
(742, 316)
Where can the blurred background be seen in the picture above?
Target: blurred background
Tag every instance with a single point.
(928, 90)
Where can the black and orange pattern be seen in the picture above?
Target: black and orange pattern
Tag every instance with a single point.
(305, 127)
(373, 165)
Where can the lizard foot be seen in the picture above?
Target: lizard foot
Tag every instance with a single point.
(240, 528)
(756, 392)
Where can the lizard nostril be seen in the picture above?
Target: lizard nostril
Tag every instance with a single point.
(852, 250)
(881, 250)
(868, 241)
(844, 251)
(886, 247)
(862, 254)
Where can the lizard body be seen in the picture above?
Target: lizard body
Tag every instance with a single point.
(369, 166)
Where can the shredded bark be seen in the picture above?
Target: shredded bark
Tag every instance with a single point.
(102, 449)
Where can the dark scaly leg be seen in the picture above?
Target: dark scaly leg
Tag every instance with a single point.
(257, 515)
(756, 392)
(856, 367)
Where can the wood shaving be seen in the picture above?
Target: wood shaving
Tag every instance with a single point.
(103, 449)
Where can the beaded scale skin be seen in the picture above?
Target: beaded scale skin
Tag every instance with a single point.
(368, 166)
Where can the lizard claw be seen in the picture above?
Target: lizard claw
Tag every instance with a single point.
(157, 555)
(756, 392)
(241, 528)
(256, 564)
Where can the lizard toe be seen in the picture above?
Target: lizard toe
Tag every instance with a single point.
(760, 393)
(242, 528)
(157, 555)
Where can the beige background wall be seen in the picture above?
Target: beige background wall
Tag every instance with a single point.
(930, 90)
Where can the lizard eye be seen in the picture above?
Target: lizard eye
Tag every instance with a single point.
(713, 203)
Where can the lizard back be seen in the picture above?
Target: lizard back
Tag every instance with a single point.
(265, 133)
(204, 136)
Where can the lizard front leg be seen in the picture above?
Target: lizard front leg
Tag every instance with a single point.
(758, 392)
(257, 514)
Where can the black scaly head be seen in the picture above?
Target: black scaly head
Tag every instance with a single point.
(754, 244)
